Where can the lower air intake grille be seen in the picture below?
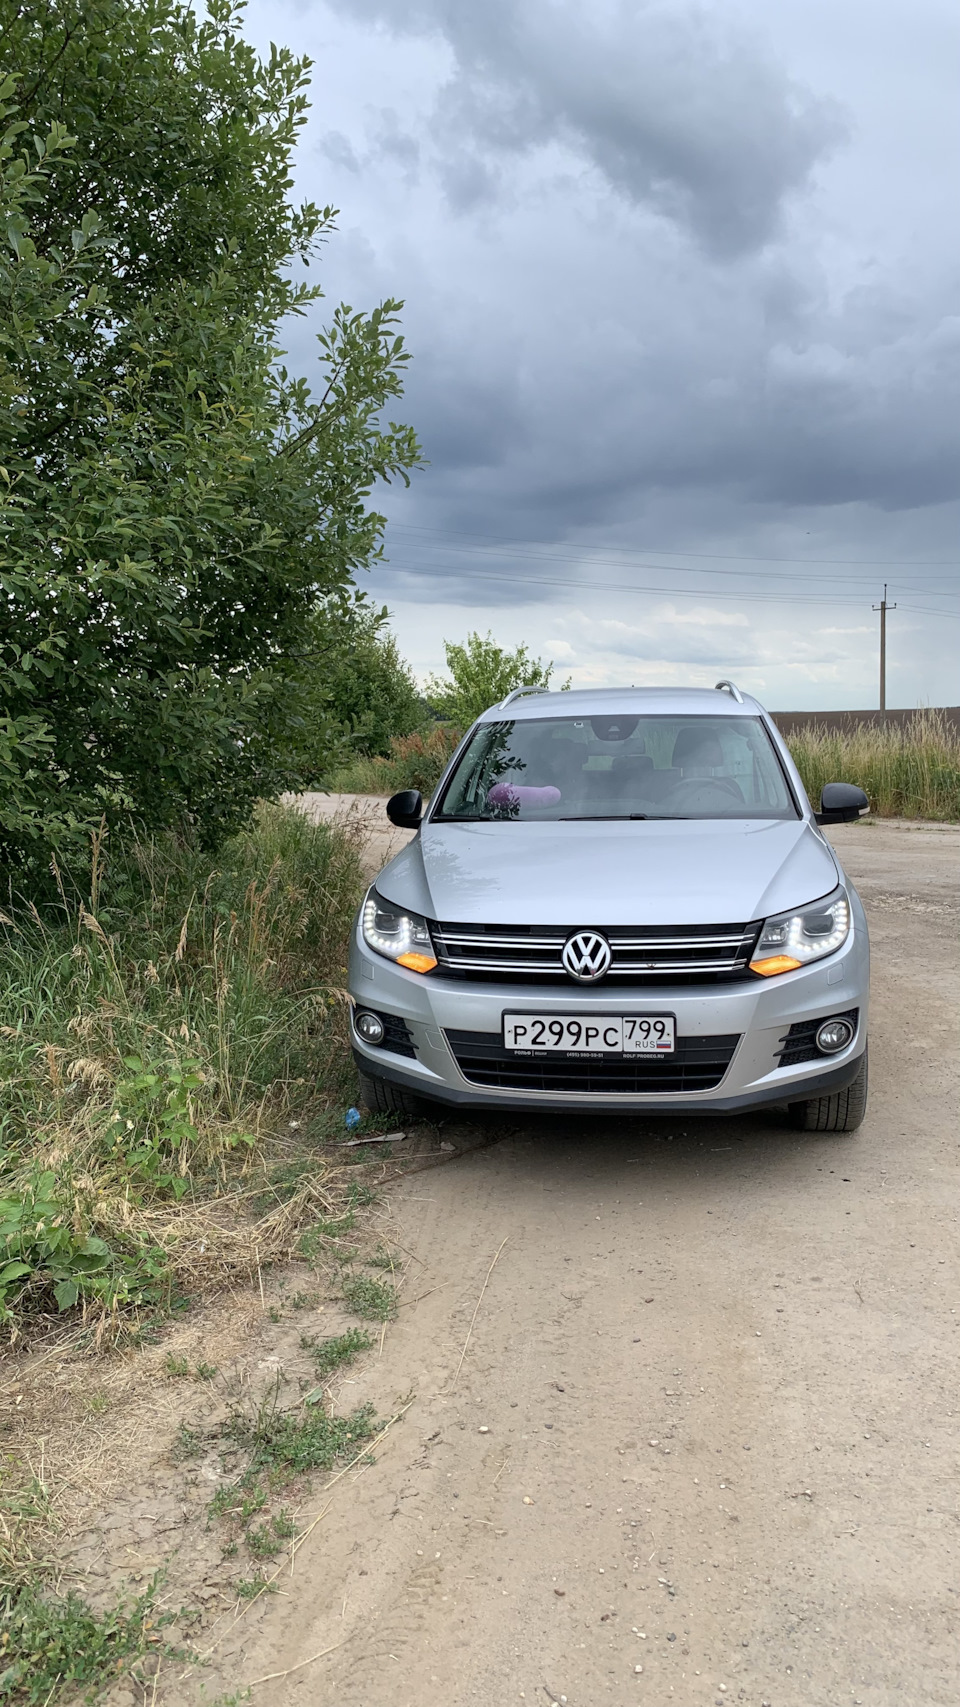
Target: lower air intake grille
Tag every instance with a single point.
(800, 1042)
(697, 1064)
(396, 1035)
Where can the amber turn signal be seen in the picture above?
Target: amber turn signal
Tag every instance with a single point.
(417, 962)
(776, 963)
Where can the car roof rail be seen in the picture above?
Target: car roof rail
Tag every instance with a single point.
(518, 693)
(732, 689)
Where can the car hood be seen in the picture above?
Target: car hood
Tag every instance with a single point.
(698, 871)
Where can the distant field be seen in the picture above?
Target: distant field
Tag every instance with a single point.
(909, 765)
(796, 722)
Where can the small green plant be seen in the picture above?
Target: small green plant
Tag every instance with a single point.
(315, 1241)
(287, 1444)
(43, 1253)
(360, 1196)
(371, 1300)
(152, 1132)
(304, 1300)
(266, 1542)
(188, 1442)
(331, 1354)
(176, 1365)
(53, 1646)
(205, 1371)
(263, 1543)
(249, 1587)
(381, 1259)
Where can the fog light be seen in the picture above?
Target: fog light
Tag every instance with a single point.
(834, 1034)
(370, 1027)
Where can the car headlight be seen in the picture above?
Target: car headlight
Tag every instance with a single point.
(790, 940)
(398, 935)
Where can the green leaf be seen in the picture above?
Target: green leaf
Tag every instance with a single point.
(66, 1293)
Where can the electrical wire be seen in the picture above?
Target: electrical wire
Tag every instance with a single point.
(711, 556)
(585, 588)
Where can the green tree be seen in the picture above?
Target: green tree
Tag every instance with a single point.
(481, 672)
(354, 691)
(174, 504)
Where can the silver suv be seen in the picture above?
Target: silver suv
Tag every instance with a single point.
(622, 901)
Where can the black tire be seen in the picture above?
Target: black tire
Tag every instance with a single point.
(842, 1112)
(381, 1097)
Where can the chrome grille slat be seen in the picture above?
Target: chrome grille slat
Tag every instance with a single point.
(451, 939)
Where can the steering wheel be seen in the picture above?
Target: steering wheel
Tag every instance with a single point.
(681, 790)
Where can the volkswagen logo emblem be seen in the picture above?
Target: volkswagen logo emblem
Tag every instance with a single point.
(587, 956)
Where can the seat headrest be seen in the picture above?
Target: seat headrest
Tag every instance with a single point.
(696, 747)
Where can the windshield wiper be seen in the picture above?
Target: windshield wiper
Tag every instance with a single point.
(618, 817)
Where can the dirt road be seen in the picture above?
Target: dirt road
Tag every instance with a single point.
(702, 1446)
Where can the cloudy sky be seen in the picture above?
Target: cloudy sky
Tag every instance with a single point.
(681, 287)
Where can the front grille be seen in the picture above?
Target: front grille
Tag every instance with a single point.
(697, 1064)
(396, 1037)
(799, 1043)
(642, 954)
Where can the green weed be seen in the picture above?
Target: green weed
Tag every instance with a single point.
(188, 1443)
(371, 1300)
(331, 1354)
(249, 1587)
(51, 1646)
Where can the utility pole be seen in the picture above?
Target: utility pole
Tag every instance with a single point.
(883, 607)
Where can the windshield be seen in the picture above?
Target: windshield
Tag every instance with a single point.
(557, 768)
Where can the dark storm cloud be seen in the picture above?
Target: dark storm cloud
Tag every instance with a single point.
(678, 112)
(855, 408)
(659, 301)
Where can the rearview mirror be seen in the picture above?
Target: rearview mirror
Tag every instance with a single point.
(405, 809)
(841, 803)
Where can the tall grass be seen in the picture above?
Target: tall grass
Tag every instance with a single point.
(906, 772)
(155, 1027)
(909, 772)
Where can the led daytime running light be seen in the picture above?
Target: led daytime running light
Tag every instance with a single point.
(792, 940)
(398, 935)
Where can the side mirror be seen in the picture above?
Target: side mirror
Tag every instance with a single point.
(841, 803)
(406, 808)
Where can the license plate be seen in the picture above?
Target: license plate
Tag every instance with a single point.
(589, 1034)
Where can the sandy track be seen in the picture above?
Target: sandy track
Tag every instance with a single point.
(719, 1358)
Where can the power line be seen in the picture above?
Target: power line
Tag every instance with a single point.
(670, 568)
(671, 592)
(712, 556)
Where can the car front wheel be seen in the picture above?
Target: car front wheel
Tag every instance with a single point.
(381, 1097)
(842, 1112)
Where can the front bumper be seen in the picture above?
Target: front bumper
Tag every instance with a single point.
(759, 1011)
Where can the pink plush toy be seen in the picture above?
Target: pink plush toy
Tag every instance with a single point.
(515, 794)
